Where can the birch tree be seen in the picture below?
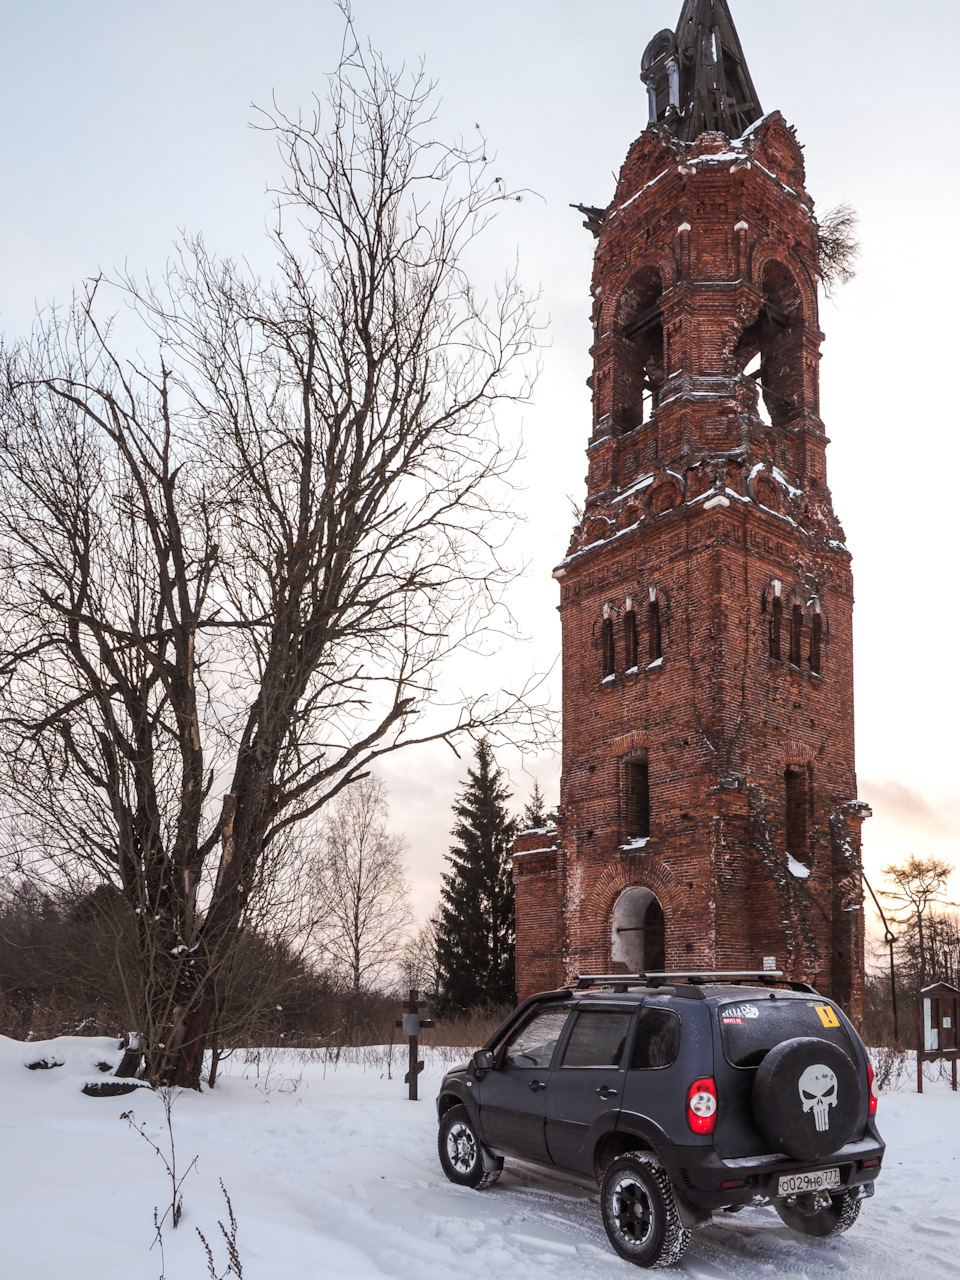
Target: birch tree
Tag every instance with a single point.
(360, 888)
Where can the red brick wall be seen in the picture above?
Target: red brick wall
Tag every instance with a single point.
(710, 507)
(539, 917)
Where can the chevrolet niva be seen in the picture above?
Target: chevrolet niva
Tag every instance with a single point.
(683, 1095)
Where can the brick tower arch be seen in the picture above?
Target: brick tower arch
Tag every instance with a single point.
(600, 902)
(719, 774)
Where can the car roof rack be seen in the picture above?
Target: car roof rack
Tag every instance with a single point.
(623, 981)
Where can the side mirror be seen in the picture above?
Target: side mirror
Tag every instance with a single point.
(483, 1060)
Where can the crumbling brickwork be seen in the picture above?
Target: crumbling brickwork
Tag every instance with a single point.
(710, 549)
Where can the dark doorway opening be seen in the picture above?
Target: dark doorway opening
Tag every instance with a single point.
(639, 932)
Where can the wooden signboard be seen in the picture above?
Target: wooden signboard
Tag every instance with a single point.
(938, 1009)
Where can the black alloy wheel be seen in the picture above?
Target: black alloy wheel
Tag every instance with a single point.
(640, 1212)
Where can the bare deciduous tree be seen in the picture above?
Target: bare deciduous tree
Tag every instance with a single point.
(360, 888)
(420, 962)
(838, 247)
(230, 571)
(918, 895)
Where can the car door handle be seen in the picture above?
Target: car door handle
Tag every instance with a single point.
(536, 1085)
(605, 1091)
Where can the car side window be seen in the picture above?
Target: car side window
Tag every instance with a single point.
(534, 1043)
(657, 1042)
(597, 1040)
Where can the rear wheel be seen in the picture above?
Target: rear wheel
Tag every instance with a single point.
(816, 1215)
(640, 1212)
(459, 1147)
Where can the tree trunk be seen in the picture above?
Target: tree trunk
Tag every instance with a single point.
(179, 1055)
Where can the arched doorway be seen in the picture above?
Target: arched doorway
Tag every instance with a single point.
(637, 931)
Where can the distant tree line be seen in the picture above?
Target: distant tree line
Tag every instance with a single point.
(329, 951)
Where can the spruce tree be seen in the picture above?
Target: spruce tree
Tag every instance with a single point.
(535, 810)
(476, 930)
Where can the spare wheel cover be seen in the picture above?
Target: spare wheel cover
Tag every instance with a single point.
(807, 1098)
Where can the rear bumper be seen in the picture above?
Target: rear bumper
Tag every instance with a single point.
(707, 1182)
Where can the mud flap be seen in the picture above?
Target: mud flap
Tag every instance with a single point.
(689, 1216)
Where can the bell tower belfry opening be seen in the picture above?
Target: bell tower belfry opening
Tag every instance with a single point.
(708, 814)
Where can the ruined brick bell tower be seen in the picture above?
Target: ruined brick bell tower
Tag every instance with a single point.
(708, 815)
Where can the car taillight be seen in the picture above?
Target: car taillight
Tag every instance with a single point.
(702, 1105)
(872, 1104)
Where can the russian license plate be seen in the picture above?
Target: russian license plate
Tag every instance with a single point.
(793, 1184)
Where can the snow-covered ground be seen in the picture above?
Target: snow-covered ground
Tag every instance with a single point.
(333, 1173)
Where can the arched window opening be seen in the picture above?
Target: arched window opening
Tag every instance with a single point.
(797, 788)
(816, 643)
(776, 628)
(642, 316)
(607, 645)
(654, 630)
(770, 351)
(796, 635)
(636, 798)
(630, 637)
(660, 72)
(754, 372)
(638, 932)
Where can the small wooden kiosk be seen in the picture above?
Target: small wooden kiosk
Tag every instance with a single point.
(938, 1007)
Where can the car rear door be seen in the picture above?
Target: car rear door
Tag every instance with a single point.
(586, 1085)
(512, 1095)
(668, 1053)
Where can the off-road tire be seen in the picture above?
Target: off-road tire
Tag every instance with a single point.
(459, 1148)
(640, 1212)
(832, 1220)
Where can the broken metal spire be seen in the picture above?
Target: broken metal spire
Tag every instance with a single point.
(697, 77)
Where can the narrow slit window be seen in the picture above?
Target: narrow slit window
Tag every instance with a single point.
(655, 631)
(636, 781)
(630, 639)
(607, 647)
(816, 643)
(797, 785)
(796, 635)
(776, 628)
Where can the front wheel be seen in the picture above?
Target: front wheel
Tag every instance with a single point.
(460, 1155)
(640, 1212)
(809, 1215)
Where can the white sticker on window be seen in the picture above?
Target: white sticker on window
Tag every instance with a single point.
(741, 1011)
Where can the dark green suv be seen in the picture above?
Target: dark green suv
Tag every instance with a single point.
(682, 1094)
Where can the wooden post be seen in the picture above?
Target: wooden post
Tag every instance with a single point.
(953, 1065)
(412, 1024)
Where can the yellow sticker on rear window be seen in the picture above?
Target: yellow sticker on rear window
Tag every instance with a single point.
(827, 1015)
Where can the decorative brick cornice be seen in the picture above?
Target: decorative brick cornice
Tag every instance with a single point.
(536, 841)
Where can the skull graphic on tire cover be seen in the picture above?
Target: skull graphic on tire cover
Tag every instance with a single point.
(818, 1093)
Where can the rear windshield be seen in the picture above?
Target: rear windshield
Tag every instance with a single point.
(749, 1029)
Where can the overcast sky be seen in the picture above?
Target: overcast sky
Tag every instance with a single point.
(126, 121)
